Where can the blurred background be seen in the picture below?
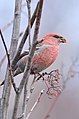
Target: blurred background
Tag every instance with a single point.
(62, 17)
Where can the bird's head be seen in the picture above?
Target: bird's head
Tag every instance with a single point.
(53, 39)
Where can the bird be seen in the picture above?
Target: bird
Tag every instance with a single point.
(45, 55)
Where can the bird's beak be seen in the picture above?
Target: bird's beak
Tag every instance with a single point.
(62, 40)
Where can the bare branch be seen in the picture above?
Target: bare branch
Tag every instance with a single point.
(36, 103)
(29, 21)
(25, 101)
(9, 64)
(27, 94)
(4, 57)
(5, 47)
(12, 79)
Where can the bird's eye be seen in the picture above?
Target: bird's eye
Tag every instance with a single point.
(56, 36)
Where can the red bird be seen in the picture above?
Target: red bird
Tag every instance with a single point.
(45, 55)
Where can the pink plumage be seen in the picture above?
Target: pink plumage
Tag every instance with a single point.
(44, 56)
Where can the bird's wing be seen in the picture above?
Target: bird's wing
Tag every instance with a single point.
(26, 53)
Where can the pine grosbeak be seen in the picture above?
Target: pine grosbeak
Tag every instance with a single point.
(43, 57)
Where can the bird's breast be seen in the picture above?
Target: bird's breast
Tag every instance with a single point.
(45, 57)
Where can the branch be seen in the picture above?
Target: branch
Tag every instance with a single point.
(29, 21)
(4, 57)
(12, 80)
(25, 101)
(5, 47)
(9, 64)
(26, 98)
(36, 103)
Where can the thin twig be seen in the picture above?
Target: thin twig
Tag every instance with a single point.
(27, 94)
(29, 21)
(12, 80)
(4, 57)
(9, 64)
(35, 104)
(5, 47)
(25, 101)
